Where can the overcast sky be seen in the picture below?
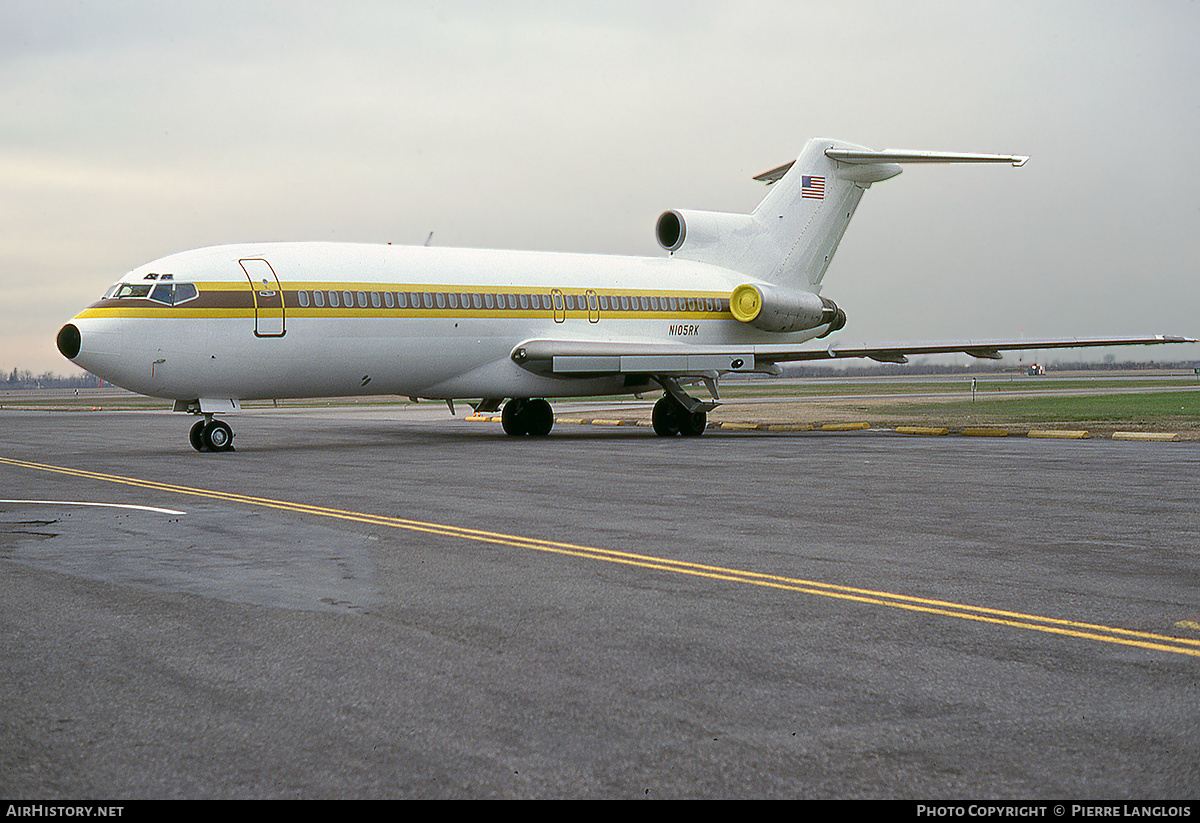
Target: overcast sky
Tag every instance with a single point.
(131, 130)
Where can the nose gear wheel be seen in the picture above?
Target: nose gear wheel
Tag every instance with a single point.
(211, 435)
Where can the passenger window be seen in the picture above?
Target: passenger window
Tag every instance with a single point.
(389, 299)
(319, 299)
(453, 298)
(428, 300)
(375, 301)
(302, 298)
(489, 301)
(441, 300)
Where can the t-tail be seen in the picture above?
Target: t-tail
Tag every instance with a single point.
(785, 245)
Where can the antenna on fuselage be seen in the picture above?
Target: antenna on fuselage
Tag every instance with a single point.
(427, 239)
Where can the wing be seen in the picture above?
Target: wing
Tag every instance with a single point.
(601, 357)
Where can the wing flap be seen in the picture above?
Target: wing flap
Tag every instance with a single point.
(615, 357)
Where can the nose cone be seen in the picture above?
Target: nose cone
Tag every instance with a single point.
(69, 341)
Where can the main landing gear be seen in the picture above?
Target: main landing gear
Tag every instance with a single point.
(670, 418)
(677, 412)
(210, 435)
(524, 416)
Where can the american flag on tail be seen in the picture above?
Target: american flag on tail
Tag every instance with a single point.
(812, 188)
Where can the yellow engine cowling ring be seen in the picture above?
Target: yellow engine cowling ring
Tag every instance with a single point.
(776, 309)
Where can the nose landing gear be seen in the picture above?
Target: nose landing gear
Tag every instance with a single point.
(210, 435)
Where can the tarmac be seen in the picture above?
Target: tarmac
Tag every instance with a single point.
(394, 603)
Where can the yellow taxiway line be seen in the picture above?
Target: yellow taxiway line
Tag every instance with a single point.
(982, 614)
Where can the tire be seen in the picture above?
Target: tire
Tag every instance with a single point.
(693, 425)
(513, 417)
(539, 418)
(218, 436)
(196, 436)
(665, 416)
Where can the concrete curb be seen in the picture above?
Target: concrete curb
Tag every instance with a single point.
(1158, 436)
(931, 431)
(928, 430)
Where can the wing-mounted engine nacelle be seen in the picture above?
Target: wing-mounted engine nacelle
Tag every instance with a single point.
(771, 308)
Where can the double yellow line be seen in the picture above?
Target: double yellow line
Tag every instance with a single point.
(981, 614)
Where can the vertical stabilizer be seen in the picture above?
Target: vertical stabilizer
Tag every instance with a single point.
(806, 213)
(790, 237)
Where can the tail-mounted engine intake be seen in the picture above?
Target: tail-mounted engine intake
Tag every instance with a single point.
(771, 308)
(720, 238)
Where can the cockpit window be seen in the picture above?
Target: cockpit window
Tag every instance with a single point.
(170, 294)
(125, 290)
(173, 293)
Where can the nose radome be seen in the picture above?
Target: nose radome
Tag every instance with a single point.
(69, 341)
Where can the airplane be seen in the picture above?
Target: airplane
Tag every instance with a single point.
(735, 294)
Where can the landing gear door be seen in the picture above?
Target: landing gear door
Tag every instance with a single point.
(268, 298)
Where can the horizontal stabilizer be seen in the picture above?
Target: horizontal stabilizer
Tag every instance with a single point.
(861, 157)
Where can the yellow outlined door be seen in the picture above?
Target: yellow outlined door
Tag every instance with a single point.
(560, 308)
(269, 320)
(593, 304)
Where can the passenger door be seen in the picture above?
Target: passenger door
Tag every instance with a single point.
(269, 319)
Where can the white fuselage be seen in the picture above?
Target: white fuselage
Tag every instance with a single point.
(279, 320)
